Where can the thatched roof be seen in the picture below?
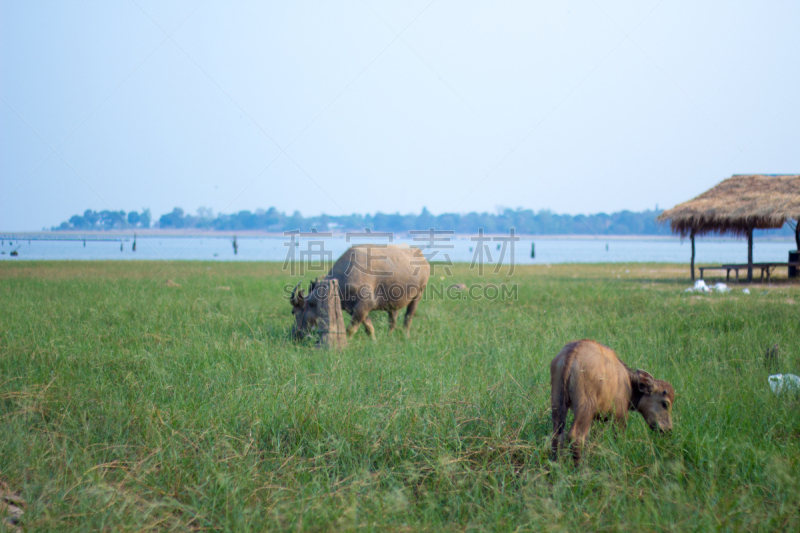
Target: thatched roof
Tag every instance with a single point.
(762, 201)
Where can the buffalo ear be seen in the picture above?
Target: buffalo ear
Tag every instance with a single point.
(645, 382)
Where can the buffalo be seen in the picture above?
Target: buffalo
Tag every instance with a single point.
(590, 379)
(387, 278)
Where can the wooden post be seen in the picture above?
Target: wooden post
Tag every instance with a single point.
(692, 255)
(330, 322)
(749, 255)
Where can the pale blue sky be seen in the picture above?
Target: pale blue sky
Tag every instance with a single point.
(576, 106)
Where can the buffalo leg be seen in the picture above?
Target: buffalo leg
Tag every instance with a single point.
(369, 327)
(579, 431)
(392, 319)
(559, 412)
(620, 419)
(410, 310)
(360, 314)
(559, 407)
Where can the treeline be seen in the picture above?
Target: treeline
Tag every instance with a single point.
(106, 220)
(524, 221)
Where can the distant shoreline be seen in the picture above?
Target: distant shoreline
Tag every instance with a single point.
(251, 234)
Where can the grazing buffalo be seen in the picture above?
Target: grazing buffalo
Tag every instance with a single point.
(370, 277)
(589, 378)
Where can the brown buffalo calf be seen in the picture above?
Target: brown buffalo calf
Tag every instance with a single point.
(589, 378)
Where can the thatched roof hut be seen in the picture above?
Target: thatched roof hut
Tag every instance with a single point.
(739, 205)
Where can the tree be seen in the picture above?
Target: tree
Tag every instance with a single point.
(77, 222)
(144, 218)
(112, 219)
(205, 213)
(90, 217)
(133, 218)
(172, 220)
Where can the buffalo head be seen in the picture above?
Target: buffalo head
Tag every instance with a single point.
(304, 309)
(656, 400)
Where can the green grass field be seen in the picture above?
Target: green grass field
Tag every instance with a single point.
(132, 404)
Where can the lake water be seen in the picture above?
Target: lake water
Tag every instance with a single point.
(587, 250)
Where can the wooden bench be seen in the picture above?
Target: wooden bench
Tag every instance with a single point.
(769, 267)
(726, 268)
(764, 267)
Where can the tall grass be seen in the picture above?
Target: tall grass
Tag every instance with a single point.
(128, 404)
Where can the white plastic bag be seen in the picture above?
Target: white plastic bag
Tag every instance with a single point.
(780, 383)
(699, 286)
(721, 287)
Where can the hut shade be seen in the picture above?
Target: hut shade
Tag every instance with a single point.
(761, 201)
